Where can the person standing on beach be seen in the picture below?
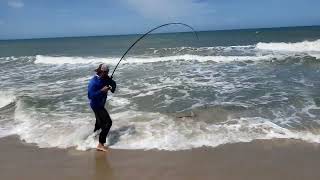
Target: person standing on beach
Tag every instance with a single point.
(98, 89)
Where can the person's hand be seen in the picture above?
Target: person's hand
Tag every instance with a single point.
(106, 89)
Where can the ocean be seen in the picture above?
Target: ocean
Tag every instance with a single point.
(174, 92)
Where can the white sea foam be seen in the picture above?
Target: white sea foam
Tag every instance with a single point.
(40, 59)
(187, 57)
(149, 93)
(6, 98)
(316, 55)
(51, 130)
(117, 101)
(305, 46)
(5, 132)
(143, 130)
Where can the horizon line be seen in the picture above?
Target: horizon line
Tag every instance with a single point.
(232, 29)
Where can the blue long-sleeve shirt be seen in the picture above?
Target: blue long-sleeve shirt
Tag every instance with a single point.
(96, 96)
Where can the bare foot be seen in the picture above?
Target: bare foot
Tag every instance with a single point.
(101, 147)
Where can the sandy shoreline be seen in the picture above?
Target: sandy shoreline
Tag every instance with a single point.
(258, 160)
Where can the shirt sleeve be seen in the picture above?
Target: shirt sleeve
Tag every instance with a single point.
(94, 91)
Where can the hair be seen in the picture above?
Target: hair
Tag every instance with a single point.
(98, 70)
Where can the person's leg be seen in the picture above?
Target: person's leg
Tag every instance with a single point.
(99, 113)
(104, 122)
(97, 124)
(105, 126)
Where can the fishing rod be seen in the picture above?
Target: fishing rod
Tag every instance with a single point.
(147, 34)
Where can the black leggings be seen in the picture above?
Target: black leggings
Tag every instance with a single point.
(103, 122)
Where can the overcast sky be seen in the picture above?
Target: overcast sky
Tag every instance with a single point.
(44, 18)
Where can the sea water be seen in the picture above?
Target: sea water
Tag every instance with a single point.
(174, 91)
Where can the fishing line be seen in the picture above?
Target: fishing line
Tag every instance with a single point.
(147, 34)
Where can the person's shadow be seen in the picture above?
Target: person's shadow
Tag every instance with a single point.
(114, 135)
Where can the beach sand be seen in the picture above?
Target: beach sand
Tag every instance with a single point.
(257, 160)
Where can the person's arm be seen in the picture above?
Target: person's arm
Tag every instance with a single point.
(113, 86)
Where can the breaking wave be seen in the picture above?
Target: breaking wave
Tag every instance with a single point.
(187, 57)
(144, 130)
(6, 98)
(305, 46)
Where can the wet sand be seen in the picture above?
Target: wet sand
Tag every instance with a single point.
(257, 160)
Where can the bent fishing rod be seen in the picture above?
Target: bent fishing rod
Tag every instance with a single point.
(149, 33)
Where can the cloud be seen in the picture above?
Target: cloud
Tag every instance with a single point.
(163, 9)
(15, 4)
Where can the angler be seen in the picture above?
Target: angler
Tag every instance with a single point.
(98, 89)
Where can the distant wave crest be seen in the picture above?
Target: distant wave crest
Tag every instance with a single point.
(187, 57)
(257, 52)
(305, 46)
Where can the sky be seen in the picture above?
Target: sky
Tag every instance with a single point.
(23, 19)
